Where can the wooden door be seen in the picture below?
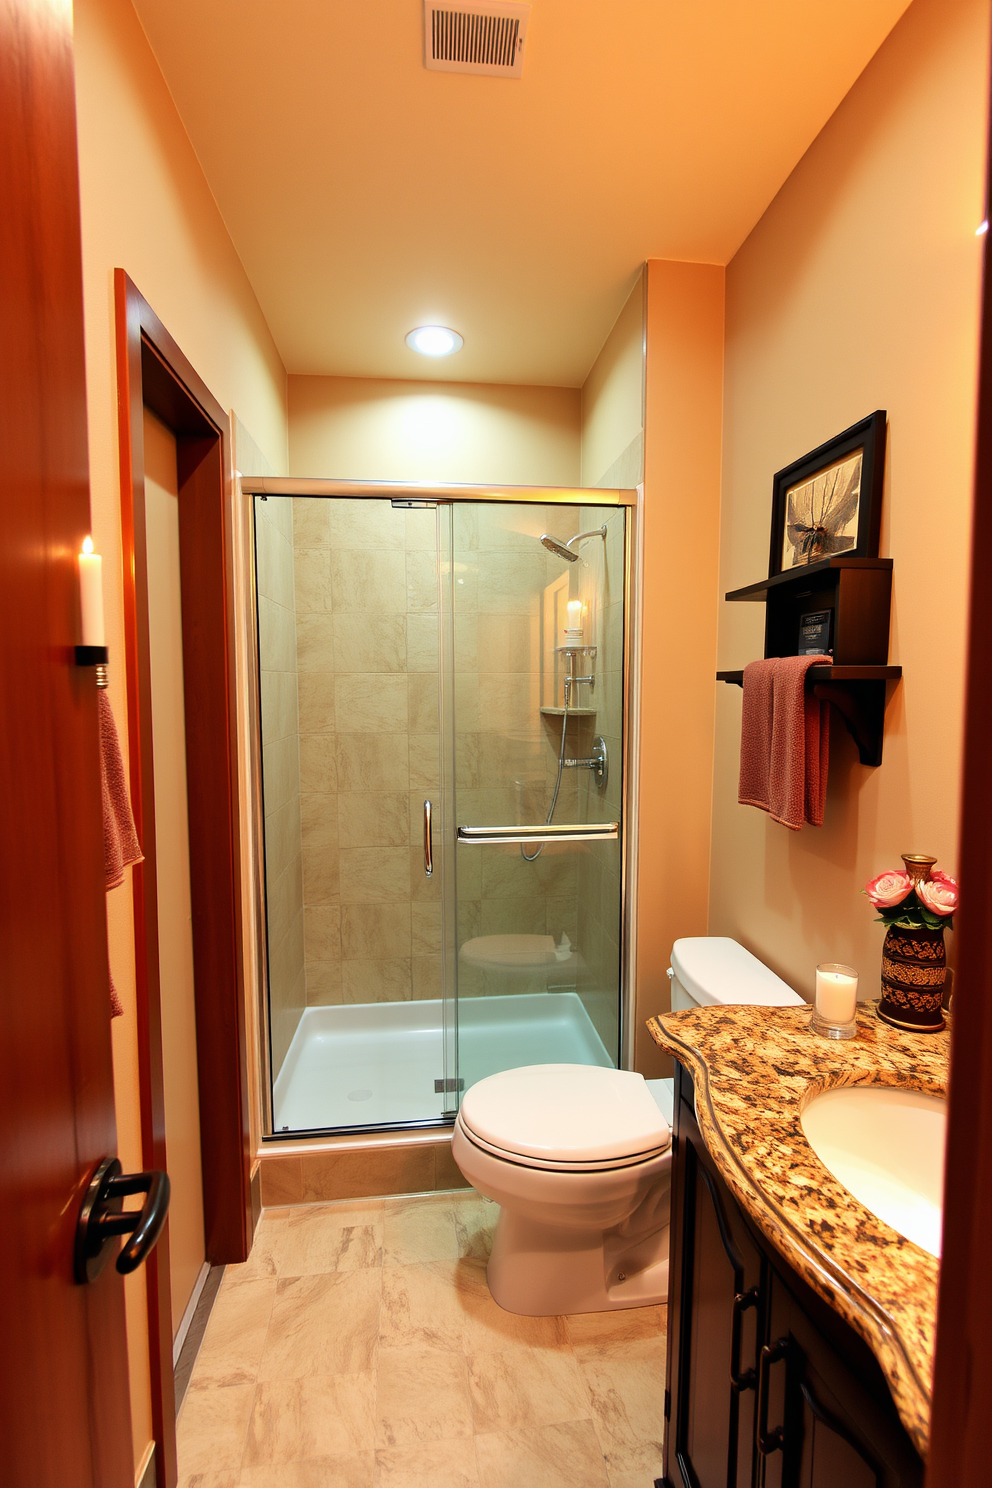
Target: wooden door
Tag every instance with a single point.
(64, 1414)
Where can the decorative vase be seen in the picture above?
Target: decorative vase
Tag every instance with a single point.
(914, 966)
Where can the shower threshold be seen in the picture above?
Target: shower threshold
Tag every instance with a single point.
(374, 1063)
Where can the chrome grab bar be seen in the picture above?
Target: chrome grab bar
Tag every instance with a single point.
(428, 840)
(574, 832)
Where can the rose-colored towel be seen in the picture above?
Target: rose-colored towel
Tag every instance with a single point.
(785, 742)
(120, 840)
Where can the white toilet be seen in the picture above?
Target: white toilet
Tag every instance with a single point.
(579, 1158)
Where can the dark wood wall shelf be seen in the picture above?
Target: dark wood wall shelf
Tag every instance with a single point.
(858, 592)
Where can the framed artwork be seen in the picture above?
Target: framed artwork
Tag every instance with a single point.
(830, 501)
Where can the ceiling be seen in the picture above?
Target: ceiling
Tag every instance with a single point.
(367, 195)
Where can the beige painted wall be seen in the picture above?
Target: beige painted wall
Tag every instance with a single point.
(366, 429)
(612, 435)
(179, 1063)
(680, 525)
(147, 208)
(859, 289)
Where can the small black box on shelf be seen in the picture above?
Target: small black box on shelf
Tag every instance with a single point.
(814, 633)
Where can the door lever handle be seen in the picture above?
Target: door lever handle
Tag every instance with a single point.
(102, 1216)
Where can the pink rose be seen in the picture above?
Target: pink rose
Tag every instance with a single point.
(939, 894)
(888, 890)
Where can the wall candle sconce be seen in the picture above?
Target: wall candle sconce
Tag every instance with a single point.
(93, 651)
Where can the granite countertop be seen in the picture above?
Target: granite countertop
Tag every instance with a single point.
(755, 1069)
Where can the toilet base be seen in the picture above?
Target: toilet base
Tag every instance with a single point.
(542, 1271)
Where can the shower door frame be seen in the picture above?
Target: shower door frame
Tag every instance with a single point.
(438, 494)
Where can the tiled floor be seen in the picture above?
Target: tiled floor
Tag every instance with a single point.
(359, 1347)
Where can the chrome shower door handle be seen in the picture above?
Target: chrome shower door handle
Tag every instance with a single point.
(428, 840)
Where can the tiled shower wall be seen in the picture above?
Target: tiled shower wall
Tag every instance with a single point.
(366, 600)
(280, 770)
(506, 750)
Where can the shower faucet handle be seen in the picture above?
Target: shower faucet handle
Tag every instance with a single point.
(598, 762)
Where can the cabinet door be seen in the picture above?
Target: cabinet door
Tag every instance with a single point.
(720, 1287)
(819, 1425)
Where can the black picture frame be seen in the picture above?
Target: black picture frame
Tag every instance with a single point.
(866, 436)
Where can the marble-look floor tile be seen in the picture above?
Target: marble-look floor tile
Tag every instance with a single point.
(235, 1335)
(294, 1420)
(212, 1427)
(228, 1478)
(423, 1395)
(563, 1456)
(592, 1331)
(416, 1230)
(354, 1471)
(485, 1326)
(527, 1387)
(325, 1324)
(475, 1220)
(421, 1308)
(443, 1464)
(314, 1238)
(627, 1390)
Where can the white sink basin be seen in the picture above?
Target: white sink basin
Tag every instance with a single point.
(887, 1147)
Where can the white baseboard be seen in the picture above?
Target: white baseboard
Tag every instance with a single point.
(187, 1317)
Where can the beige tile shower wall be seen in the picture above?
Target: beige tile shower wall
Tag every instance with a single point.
(280, 770)
(598, 890)
(367, 628)
(506, 750)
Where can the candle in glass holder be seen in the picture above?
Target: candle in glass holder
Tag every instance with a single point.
(574, 631)
(836, 1000)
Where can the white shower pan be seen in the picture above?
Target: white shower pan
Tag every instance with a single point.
(374, 1063)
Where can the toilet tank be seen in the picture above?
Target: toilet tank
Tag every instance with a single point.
(713, 970)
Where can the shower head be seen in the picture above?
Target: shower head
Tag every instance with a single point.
(560, 549)
(564, 549)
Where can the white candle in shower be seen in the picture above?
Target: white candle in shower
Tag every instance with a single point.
(575, 617)
(836, 992)
(91, 595)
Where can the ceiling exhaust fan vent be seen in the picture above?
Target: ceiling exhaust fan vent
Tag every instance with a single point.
(485, 39)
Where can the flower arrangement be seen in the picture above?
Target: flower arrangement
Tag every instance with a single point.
(927, 904)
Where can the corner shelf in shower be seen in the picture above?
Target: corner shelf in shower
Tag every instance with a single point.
(858, 591)
(572, 712)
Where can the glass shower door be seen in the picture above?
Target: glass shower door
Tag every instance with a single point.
(351, 683)
(537, 625)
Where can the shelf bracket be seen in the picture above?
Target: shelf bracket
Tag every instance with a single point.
(862, 707)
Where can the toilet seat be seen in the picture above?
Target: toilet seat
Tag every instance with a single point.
(608, 1165)
(565, 1118)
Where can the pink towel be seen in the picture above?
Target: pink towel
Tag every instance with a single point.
(785, 742)
(120, 840)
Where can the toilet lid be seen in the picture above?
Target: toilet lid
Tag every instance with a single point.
(566, 1113)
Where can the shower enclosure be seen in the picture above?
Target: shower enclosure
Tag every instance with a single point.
(441, 686)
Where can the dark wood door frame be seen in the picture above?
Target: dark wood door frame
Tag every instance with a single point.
(152, 372)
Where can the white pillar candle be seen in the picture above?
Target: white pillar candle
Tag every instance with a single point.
(836, 993)
(574, 617)
(91, 595)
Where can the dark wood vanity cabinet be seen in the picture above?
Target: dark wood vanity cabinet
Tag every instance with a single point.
(767, 1386)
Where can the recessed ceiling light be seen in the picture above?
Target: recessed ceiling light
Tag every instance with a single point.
(434, 341)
